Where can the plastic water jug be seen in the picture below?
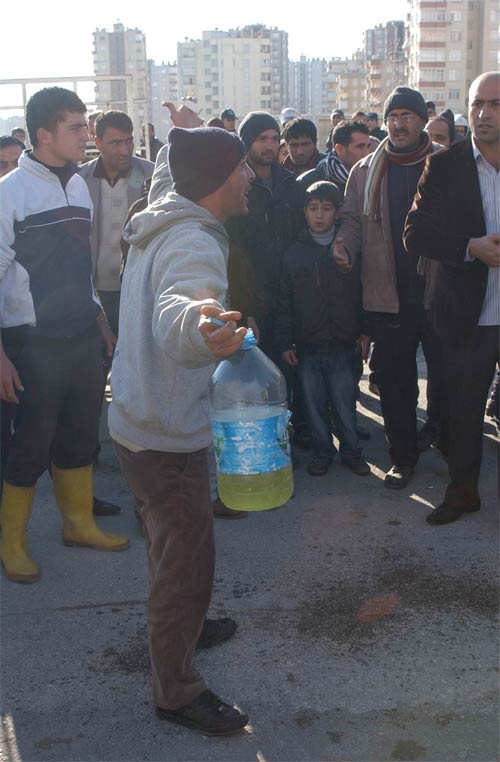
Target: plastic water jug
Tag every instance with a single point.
(248, 409)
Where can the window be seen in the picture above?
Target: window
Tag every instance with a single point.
(433, 35)
(455, 16)
(455, 55)
(452, 75)
(455, 36)
(429, 55)
(433, 14)
(432, 75)
(454, 95)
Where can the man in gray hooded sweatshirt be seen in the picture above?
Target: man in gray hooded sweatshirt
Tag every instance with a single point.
(175, 280)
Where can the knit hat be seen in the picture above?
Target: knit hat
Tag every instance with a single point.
(202, 159)
(405, 97)
(254, 123)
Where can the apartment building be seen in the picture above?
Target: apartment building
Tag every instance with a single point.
(243, 69)
(491, 36)
(122, 51)
(385, 62)
(351, 84)
(163, 86)
(307, 86)
(449, 43)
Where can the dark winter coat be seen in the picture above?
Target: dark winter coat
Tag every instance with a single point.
(318, 305)
(257, 242)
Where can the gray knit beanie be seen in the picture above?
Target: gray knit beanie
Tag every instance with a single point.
(405, 97)
(254, 123)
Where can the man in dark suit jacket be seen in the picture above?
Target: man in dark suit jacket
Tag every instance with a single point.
(455, 220)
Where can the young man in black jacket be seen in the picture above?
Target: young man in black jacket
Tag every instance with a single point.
(257, 241)
(317, 323)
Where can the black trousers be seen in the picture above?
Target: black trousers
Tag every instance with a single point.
(57, 419)
(110, 301)
(397, 338)
(469, 369)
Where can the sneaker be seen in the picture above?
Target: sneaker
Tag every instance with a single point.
(398, 477)
(215, 631)
(208, 714)
(318, 466)
(358, 465)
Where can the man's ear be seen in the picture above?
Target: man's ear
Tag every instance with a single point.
(339, 150)
(43, 136)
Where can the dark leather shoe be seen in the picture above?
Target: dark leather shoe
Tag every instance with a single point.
(216, 631)
(445, 514)
(221, 511)
(398, 477)
(358, 466)
(103, 508)
(208, 714)
(318, 467)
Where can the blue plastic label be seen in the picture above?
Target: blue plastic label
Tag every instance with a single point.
(252, 447)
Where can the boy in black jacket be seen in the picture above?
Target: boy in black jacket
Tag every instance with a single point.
(318, 321)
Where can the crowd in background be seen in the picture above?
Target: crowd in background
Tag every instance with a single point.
(112, 266)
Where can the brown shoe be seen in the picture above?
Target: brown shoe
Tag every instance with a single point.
(221, 511)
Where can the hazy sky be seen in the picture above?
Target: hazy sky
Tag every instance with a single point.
(55, 39)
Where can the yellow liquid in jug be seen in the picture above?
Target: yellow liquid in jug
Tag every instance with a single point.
(256, 492)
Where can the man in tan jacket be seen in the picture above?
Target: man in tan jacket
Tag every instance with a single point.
(379, 193)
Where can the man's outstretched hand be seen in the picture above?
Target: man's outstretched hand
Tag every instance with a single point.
(184, 117)
(222, 341)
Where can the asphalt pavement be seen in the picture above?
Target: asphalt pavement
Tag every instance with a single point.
(363, 633)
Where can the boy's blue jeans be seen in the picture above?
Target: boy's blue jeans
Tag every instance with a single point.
(328, 378)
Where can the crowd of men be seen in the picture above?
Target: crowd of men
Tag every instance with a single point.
(387, 241)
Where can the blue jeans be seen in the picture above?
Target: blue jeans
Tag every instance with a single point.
(329, 379)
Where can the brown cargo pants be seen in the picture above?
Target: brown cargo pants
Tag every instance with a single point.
(173, 494)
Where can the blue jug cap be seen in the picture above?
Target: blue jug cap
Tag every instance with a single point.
(249, 342)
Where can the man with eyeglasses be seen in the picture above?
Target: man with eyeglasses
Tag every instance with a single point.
(379, 193)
